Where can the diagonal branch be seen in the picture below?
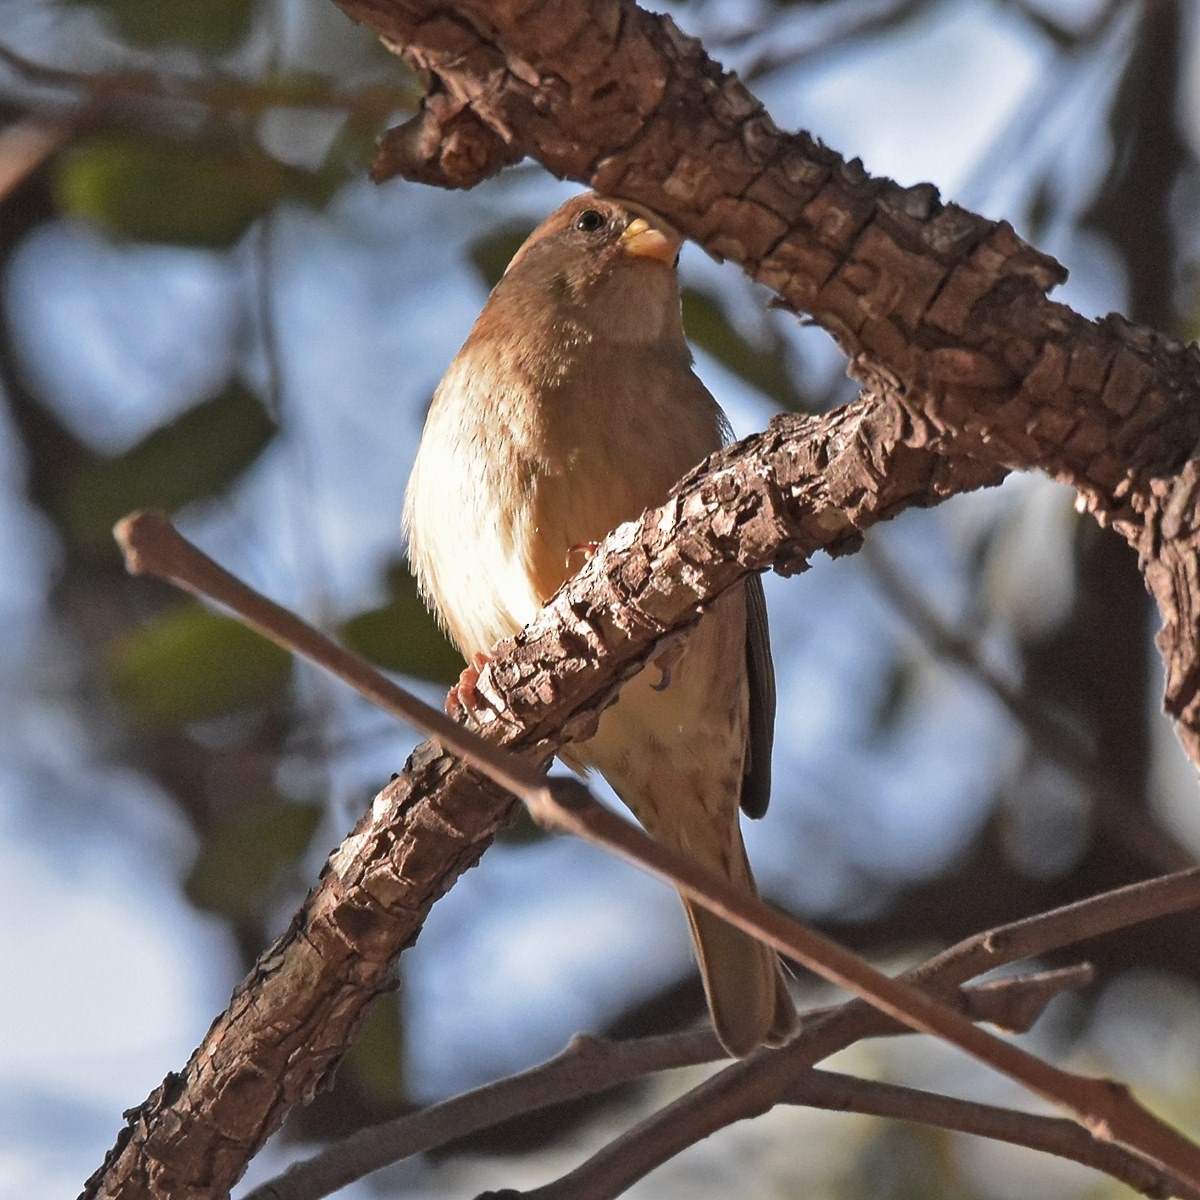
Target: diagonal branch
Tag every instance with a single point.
(1104, 1106)
(804, 485)
(208, 579)
(152, 546)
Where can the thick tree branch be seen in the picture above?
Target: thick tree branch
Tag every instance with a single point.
(152, 546)
(804, 485)
(944, 309)
(291, 1020)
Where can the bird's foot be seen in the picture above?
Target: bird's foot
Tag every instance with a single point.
(587, 549)
(665, 662)
(462, 698)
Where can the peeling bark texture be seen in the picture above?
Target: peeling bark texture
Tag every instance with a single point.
(444, 145)
(969, 371)
(936, 303)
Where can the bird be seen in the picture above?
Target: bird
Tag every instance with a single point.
(572, 407)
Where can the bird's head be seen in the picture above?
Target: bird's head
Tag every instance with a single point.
(605, 264)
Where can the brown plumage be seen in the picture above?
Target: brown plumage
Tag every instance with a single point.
(571, 408)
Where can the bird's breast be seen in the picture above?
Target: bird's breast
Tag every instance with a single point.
(615, 436)
(518, 467)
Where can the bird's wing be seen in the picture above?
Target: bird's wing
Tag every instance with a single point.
(756, 786)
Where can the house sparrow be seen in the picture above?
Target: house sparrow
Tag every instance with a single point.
(571, 408)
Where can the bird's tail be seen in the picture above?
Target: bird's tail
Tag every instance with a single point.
(743, 981)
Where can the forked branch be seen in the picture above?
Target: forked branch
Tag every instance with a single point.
(153, 545)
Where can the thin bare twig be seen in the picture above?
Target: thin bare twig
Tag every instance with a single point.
(748, 1088)
(1068, 925)
(1013, 1003)
(1105, 1107)
(152, 545)
(1051, 1135)
(589, 1067)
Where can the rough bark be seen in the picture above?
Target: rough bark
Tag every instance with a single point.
(970, 370)
(804, 485)
(945, 306)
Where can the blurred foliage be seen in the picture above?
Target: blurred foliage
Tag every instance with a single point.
(200, 454)
(376, 1060)
(191, 664)
(403, 636)
(209, 25)
(765, 366)
(491, 255)
(899, 1163)
(1149, 166)
(204, 192)
(246, 851)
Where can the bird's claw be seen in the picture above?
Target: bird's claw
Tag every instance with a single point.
(587, 549)
(665, 661)
(462, 699)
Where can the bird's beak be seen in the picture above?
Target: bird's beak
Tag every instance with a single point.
(644, 240)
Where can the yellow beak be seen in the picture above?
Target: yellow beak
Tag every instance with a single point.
(644, 240)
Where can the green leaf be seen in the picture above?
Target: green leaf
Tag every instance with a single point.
(210, 25)
(198, 455)
(492, 254)
(204, 192)
(190, 664)
(765, 367)
(246, 851)
(403, 636)
(375, 1059)
(520, 829)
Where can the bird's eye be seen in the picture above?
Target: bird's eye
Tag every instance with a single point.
(590, 221)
